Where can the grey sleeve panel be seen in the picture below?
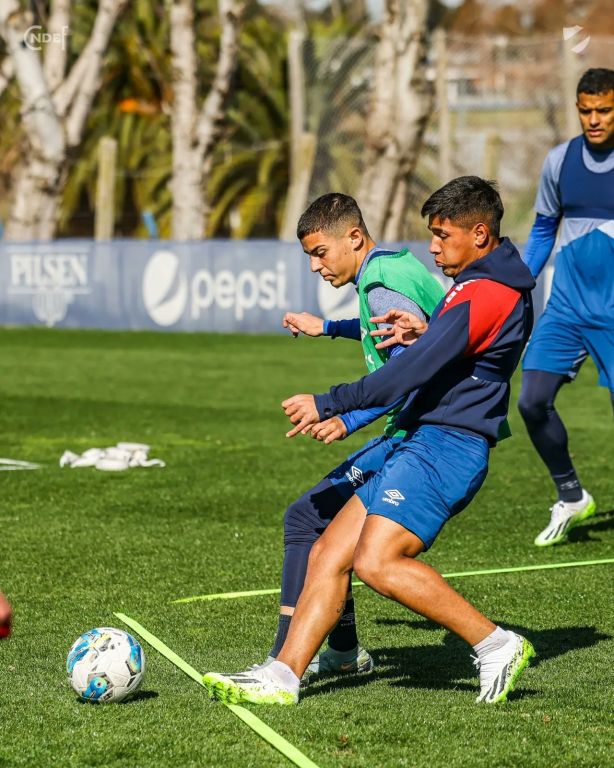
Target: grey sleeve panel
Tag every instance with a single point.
(382, 299)
(548, 201)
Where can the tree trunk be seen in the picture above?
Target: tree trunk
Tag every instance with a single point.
(6, 73)
(195, 134)
(186, 183)
(401, 101)
(38, 179)
(55, 55)
(52, 124)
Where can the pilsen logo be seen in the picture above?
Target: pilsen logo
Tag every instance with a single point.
(52, 279)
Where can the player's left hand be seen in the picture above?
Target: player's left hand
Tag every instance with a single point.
(405, 328)
(330, 430)
(302, 412)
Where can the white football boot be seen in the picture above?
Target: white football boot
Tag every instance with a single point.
(500, 669)
(255, 686)
(564, 516)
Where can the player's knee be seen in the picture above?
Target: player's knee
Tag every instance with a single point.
(299, 524)
(318, 553)
(368, 567)
(532, 406)
(327, 561)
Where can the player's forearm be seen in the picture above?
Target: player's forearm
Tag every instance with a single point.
(355, 420)
(346, 329)
(540, 243)
(445, 340)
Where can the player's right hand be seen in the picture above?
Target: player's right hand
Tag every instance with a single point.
(302, 412)
(303, 322)
(6, 615)
(405, 328)
(330, 430)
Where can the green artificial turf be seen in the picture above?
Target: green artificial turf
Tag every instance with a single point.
(77, 545)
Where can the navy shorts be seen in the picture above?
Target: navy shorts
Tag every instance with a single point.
(560, 345)
(362, 465)
(432, 475)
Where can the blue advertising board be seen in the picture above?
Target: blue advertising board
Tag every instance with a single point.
(210, 285)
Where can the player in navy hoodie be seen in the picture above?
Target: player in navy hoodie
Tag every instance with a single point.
(454, 381)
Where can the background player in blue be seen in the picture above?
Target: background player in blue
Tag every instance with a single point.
(577, 188)
(334, 236)
(454, 381)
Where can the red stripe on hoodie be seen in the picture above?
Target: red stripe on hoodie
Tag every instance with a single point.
(490, 304)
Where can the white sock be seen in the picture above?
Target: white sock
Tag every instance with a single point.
(493, 642)
(284, 674)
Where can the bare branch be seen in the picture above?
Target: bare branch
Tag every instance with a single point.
(34, 208)
(56, 50)
(40, 121)
(40, 178)
(212, 112)
(108, 11)
(66, 94)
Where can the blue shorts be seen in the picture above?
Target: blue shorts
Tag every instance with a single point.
(559, 345)
(362, 465)
(432, 475)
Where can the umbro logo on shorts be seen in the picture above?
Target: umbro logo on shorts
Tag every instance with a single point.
(355, 476)
(393, 497)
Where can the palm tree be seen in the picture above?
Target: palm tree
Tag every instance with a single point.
(250, 174)
(250, 162)
(133, 110)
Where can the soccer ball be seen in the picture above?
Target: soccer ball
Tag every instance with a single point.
(105, 664)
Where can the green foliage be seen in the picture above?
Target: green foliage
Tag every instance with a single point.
(130, 108)
(250, 175)
(77, 545)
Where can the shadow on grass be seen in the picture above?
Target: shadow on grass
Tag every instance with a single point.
(448, 666)
(141, 696)
(138, 696)
(603, 521)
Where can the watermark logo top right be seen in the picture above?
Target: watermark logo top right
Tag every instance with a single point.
(570, 32)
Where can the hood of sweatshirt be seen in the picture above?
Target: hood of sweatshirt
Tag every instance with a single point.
(503, 265)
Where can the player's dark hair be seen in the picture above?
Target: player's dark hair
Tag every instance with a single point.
(596, 81)
(467, 201)
(330, 213)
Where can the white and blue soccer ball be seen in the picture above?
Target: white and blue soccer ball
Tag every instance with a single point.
(105, 664)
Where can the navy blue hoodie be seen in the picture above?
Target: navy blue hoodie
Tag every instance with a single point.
(457, 374)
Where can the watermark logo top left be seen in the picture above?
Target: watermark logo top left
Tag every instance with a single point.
(35, 36)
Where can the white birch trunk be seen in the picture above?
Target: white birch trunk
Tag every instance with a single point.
(106, 17)
(6, 73)
(52, 125)
(58, 26)
(195, 133)
(400, 104)
(38, 179)
(186, 186)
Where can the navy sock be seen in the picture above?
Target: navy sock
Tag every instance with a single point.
(344, 637)
(282, 633)
(568, 486)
